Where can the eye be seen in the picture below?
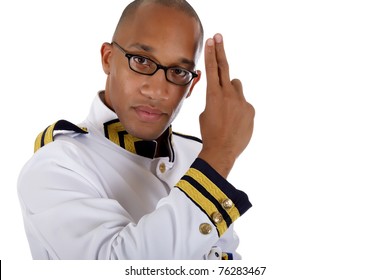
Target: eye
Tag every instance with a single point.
(142, 64)
(141, 60)
(182, 73)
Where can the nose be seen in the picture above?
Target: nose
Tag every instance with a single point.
(156, 86)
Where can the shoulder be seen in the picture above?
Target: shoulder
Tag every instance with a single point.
(187, 137)
(58, 156)
(186, 145)
(61, 127)
(57, 146)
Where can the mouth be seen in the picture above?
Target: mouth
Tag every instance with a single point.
(148, 114)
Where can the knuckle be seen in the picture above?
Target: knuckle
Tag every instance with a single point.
(211, 67)
(223, 64)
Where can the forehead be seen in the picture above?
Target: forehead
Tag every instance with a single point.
(167, 31)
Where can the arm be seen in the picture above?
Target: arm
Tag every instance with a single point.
(70, 214)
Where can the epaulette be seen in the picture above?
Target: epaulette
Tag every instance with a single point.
(47, 135)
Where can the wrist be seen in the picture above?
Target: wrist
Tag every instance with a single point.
(222, 163)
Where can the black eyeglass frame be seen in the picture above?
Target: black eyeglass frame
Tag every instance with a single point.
(159, 66)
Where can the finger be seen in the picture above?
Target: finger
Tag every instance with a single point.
(236, 83)
(211, 65)
(223, 65)
(238, 87)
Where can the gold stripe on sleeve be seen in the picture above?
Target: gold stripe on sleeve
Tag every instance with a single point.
(214, 191)
(207, 206)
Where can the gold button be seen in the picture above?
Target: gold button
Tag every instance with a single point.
(217, 217)
(227, 204)
(205, 228)
(162, 167)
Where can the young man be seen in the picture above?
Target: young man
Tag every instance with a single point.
(122, 185)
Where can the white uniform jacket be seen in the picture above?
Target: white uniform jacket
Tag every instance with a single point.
(97, 192)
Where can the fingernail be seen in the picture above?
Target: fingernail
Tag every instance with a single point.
(210, 42)
(218, 38)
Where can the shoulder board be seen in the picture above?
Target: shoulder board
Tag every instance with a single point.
(47, 135)
(188, 137)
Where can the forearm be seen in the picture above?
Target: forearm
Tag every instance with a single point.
(191, 223)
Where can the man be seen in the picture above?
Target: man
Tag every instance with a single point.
(122, 185)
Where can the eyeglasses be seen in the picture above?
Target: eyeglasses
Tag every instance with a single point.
(146, 66)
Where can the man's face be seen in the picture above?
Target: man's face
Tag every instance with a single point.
(146, 105)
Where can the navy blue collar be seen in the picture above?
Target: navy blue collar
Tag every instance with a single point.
(114, 131)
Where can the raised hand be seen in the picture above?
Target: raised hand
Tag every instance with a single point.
(227, 122)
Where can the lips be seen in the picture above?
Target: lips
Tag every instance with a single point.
(148, 114)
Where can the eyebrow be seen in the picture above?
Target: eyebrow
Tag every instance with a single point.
(148, 48)
(142, 47)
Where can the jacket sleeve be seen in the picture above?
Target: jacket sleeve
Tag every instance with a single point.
(66, 217)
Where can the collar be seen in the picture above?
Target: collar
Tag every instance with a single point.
(107, 123)
(114, 131)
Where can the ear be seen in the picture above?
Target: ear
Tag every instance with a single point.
(194, 82)
(105, 52)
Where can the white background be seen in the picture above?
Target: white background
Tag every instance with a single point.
(317, 170)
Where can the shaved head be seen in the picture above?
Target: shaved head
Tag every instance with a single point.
(181, 5)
